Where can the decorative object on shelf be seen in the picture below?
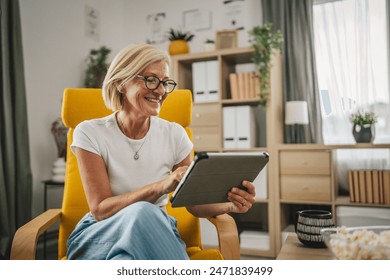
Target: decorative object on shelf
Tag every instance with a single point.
(209, 45)
(296, 114)
(59, 131)
(58, 171)
(227, 39)
(97, 67)
(363, 129)
(179, 41)
(308, 225)
(264, 41)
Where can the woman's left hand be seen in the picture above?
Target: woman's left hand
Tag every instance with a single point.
(242, 200)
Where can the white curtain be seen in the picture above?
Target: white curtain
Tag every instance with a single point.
(352, 66)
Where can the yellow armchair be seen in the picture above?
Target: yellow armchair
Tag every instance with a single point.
(83, 104)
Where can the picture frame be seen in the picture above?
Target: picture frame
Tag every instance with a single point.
(226, 39)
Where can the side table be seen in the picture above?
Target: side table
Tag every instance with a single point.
(294, 250)
(48, 184)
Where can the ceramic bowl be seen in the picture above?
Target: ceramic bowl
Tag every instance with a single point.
(358, 243)
(308, 226)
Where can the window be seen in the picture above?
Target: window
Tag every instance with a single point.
(351, 46)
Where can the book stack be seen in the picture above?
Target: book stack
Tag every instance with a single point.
(369, 186)
(244, 85)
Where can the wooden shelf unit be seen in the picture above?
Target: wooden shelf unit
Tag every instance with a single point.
(207, 116)
(307, 155)
(323, 175)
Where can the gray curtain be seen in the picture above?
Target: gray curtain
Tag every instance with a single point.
(388, 33)
(294, 18)
(15, 171)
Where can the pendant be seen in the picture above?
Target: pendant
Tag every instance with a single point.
(136, 156)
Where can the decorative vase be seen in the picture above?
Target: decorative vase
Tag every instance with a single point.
(209, 47)
(58, 171)
(308, 225)
(59, 131)
(363, 133)
(178, 47)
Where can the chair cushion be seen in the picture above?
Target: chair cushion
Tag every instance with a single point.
(196, 253)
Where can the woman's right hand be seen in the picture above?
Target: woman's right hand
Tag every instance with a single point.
(170, 183)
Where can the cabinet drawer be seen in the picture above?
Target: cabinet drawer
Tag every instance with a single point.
(206, 138)
(206, 115)
(305, 162)
(308, 187)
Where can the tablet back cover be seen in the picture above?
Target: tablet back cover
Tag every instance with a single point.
(214, 174)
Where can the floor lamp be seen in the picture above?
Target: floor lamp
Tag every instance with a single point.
(296, 114)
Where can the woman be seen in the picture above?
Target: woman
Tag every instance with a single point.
(130, 160)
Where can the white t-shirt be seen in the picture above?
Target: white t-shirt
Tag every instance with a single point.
(164, 145)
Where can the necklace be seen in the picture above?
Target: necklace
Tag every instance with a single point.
(136, 155)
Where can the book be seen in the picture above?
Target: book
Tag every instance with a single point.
(386, 186)
(351, 186)
(369, 190)
(362, 186)
(241, 89)
(356, 189)
(381, 189)
(252, 83)
(375, 185)
(233, 81)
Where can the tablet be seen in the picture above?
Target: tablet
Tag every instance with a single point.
(210, 176)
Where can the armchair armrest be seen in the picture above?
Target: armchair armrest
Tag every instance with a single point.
(229, 244)
(24, 244)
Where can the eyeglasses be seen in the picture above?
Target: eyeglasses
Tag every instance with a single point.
(152, 83)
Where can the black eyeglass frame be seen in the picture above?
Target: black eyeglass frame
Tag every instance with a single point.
(145, 78)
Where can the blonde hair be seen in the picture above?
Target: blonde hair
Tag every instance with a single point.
(128, 63)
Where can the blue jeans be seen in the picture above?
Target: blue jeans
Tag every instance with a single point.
(141, 231)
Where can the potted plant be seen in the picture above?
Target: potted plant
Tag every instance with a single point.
(264, 42)
(363, 129)
(97, 67)
(179, 41)
(209, 45)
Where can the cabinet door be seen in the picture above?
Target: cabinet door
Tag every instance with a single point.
(305, 187)
(207, 138)
(206, 115)
(305, 162)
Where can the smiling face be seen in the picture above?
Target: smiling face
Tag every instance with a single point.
(141, 100)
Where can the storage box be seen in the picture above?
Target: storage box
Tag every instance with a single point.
(258, 240)
(351, 216)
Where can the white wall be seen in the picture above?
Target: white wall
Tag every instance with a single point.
(174, 11)
(55, 49)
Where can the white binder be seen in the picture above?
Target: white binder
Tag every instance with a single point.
(245, 127)
(205, 77)
(239, 127)
(229, 127)
(212, 80)
(199, 81)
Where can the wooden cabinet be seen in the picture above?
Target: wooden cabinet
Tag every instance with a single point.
(305, 177)
(207, 119)
(206, 126)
